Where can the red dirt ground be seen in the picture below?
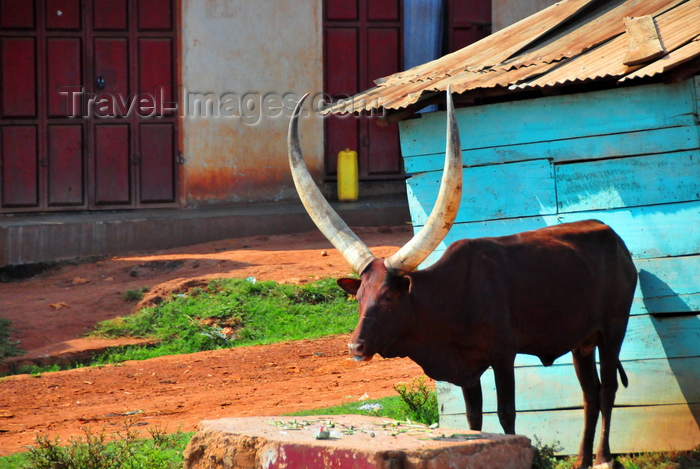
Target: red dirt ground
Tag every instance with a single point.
(52, 311)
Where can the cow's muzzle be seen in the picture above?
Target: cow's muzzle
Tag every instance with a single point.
(357, 350)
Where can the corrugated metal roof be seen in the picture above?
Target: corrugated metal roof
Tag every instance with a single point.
(573, 41)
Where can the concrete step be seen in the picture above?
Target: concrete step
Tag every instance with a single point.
(33, 238)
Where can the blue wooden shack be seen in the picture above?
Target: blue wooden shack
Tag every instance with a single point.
(587, 109)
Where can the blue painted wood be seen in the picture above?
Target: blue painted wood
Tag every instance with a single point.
(628, 182)
(668, 276)
(491, 192)
(637, 170)
(653, 428)
(651, 382)
(648, 232)
(647, 142)
(555, 118)
(669, 305)
(647, 337)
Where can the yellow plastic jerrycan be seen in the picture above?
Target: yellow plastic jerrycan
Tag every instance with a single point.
(348, 185)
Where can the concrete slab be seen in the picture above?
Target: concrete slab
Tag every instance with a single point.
(353, 442)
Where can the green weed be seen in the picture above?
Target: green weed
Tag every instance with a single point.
(420, 401)
(134, 295)
(415, 402)
(98, 450)
(8, 347)
(545, 459)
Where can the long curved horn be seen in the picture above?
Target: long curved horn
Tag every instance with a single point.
(331, 225)
(445, 210)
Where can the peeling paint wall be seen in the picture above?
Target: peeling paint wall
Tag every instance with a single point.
(244, 64)
(507, 12)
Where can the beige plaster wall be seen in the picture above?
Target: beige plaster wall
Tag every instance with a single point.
(244, 64)
(506, 12)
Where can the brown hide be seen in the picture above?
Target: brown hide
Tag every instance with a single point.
(545, 292)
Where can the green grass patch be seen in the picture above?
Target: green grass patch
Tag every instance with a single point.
(98, 450)
(415, 402)
(233, 312)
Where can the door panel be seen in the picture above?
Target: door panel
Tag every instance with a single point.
(468, 22)
(384, 48)
(20, 182)
(383, 10)
(157, 178)
(342, 10)
(112, 182)
(17, 14)
(343, 83)
(18, 77)
(363, 42)
(155, 77)
(109, 15)
(63, 14)
(155, 15)
(383, 142)
(65, 171)
(111, 68)
(64, 74)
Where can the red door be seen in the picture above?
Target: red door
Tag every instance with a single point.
(362, 42)
(85, 91)
(468, 22)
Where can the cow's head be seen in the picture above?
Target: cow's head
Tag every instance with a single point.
(384, 286)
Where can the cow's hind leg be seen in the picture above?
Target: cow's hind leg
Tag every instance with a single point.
(609, 362)
(584, 363)
(473, 400)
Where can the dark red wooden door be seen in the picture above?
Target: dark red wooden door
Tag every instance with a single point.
(362, 42)
(468, 22)
(85, 92)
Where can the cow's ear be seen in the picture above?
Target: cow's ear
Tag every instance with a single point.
(407, 283)
(350, 285)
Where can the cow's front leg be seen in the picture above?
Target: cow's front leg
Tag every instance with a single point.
(505, 392)
(474, 403)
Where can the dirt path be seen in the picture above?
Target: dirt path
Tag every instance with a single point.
(53, 310)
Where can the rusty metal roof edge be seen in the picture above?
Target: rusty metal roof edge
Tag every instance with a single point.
(414, 88)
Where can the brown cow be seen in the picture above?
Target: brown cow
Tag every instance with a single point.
(545, 292)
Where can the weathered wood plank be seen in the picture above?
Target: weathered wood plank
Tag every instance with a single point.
(648, 337)
(651, 382)
(649, 232)
(503, 191)
(647, 142)
(634, 429)
(643, 42)
(668, 276)
(628, 182)
(555, 118)
(668, 285)
(673, 304)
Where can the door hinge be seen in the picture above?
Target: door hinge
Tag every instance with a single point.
(180, 159)
(136, 159)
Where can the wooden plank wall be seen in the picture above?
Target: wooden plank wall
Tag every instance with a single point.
(629, 157)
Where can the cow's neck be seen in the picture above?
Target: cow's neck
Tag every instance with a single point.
(440, 345)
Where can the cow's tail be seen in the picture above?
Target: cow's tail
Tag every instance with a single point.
(623, 375)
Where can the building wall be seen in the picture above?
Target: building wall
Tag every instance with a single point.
(507, 12)
(246, 63)
(535, 163)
